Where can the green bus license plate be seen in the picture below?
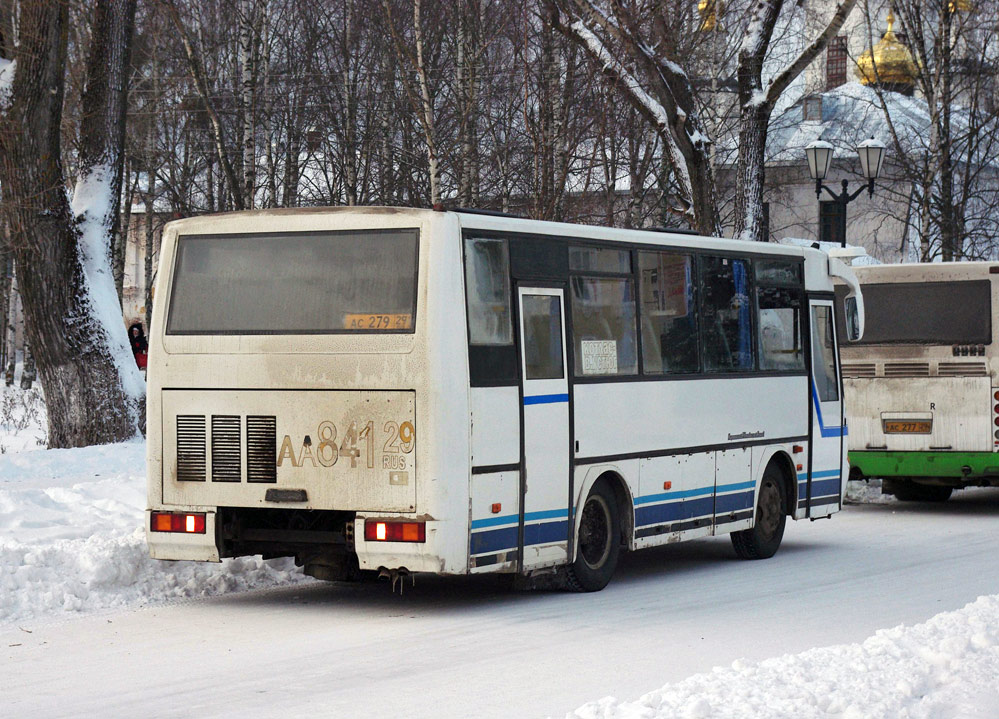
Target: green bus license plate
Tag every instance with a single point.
(908, 426)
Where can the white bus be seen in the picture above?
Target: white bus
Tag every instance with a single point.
(922, 388)
(416, 391)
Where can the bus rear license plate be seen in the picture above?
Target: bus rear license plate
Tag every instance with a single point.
(908, 426)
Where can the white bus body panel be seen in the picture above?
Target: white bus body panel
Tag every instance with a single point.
(959, 408)
(630, 417)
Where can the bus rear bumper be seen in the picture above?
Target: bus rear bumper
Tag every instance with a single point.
(961, 468)
(412, 556)
(180, 545)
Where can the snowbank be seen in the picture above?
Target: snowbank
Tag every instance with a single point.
(72, 540)
(867, 492)
(945, 667)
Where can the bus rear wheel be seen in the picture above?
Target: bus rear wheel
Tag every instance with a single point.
(598, 542)
(763, 540)
(905, 490)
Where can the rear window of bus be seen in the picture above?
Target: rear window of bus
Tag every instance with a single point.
(295, 283)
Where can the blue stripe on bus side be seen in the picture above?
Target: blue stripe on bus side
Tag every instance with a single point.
(493, 540)
(513, 518)
(823, 430)
(676, 510)
(496, 540)
(821, 487)
(733, 502)
(699, 491)
(546, 399)
(545, 532)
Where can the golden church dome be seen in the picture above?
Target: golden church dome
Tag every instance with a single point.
(709, 10)
(891, 59)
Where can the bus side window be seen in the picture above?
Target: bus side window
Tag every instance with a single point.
(779, 302)
(487, 280)
(824, 354)
(669, 320)
(726, 317)
(491, 353)
(603, 326)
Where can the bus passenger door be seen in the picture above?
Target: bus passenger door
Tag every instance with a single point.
(821, 492)
(544, 506)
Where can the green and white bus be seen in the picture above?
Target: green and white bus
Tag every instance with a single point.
(922, 387)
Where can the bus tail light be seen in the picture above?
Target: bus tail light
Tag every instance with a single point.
(375, 531)
(186, 523)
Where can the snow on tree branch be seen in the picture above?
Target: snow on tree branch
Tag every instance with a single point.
(781, 82)
(650, 107)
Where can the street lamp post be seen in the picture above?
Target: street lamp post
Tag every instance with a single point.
(819, 154)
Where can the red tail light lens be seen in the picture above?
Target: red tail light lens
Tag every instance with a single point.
(186, 523)
(376, 531)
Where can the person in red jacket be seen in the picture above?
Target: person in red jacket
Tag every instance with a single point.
(140, 347)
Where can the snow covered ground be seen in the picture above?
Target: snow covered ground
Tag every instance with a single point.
(802, 635)
(71, 529)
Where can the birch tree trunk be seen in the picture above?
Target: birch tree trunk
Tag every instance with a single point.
(427, 116)
(422, 103)
(350, 101)
(72, 321)
(248, 12)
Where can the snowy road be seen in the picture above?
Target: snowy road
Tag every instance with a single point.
(463, 648)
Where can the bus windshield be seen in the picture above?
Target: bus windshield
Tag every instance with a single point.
(295, 283)
(926, 312)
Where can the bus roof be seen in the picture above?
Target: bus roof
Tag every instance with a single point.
(519, 225)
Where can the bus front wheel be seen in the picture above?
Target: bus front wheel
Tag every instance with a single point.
(763, 540)
(598, 542)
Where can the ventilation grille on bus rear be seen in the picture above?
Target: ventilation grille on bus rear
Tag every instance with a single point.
(261, 449)
(190, 448)
(962, 369)
(858, 369)
(225, 448)
(907, 369)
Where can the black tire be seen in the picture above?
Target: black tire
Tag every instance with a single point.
(906, 490)
(598, 542)
(763, 540)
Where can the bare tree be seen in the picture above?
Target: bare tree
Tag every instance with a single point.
(63, 252)
(420, 97)
(954, 201)
(632, 46)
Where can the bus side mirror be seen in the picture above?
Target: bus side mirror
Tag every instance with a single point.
(853, 328)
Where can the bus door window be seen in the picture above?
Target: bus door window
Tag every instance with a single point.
(824, 354)
(543, 337)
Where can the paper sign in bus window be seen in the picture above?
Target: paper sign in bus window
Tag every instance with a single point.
(599, 356)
